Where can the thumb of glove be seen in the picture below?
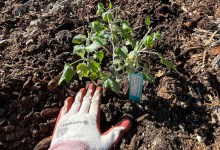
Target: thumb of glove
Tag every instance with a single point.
(113, 135)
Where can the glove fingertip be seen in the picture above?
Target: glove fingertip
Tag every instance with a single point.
(68, 103)
(126, 123)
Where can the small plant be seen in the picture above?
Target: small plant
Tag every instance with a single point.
(114, 35)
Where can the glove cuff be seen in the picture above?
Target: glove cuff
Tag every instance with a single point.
(70, 145)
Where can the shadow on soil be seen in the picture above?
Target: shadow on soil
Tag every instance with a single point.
(187, 113)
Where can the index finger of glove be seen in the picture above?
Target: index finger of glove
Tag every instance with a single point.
(78, 100)
(87, 99)
(95, 103)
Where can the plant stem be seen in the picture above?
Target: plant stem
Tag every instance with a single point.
(143, 51)
(113, 51)
(141, 43)
(76, 61)
(113, 46)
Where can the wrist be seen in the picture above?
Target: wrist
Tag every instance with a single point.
(70, 145)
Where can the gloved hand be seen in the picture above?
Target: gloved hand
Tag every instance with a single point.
(78, 124)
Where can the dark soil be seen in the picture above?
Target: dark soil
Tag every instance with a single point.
(179, 111)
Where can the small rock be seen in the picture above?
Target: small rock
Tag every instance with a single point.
(216, 114)
(35, 133)
(199, 138)
(127, 106)
(36, 23)
(117, 105)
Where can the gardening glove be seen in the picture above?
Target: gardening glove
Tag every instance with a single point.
(78, 124)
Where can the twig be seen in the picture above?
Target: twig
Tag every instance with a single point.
(207, 44)
(211, 38)
(133, 143)
(113, 51)
(138, 27)
(191, 48)
(106, 50)
(141, 118)
(143, 51)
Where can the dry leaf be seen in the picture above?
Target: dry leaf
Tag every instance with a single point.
(215, 51)
(159, 74)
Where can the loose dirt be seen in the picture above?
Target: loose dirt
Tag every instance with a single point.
(179, 111)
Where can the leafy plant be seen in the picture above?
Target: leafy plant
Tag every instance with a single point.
(115, 34)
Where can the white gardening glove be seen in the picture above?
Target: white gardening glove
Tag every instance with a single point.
(78, 124)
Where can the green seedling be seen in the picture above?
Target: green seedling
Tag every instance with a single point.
(114, 35)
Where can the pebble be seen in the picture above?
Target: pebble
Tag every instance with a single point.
(37, 23)
(199, 138)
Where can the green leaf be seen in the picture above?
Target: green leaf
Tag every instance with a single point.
(107, 16)
(126, 33)
(132, 55)
(129, 69)
(96, 26)
(94, 66)
(78, 39)
(107, 36)
(101, 8)
(82, 70)
(168, 63)
(79, 50)
(68, 73)
(110, 5)
(99, 55)
(149, 41)
(94, 76)
(122, 51)
(101, 39)
(104, 76)
(146, 68)
(112, 84)
(149, 77)
(93, 47)
(126, 26)
(147, 22)
(157, 36)
(115, 38)
(117, 61)
(119, 78)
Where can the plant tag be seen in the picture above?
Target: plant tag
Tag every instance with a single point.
(135, 87)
